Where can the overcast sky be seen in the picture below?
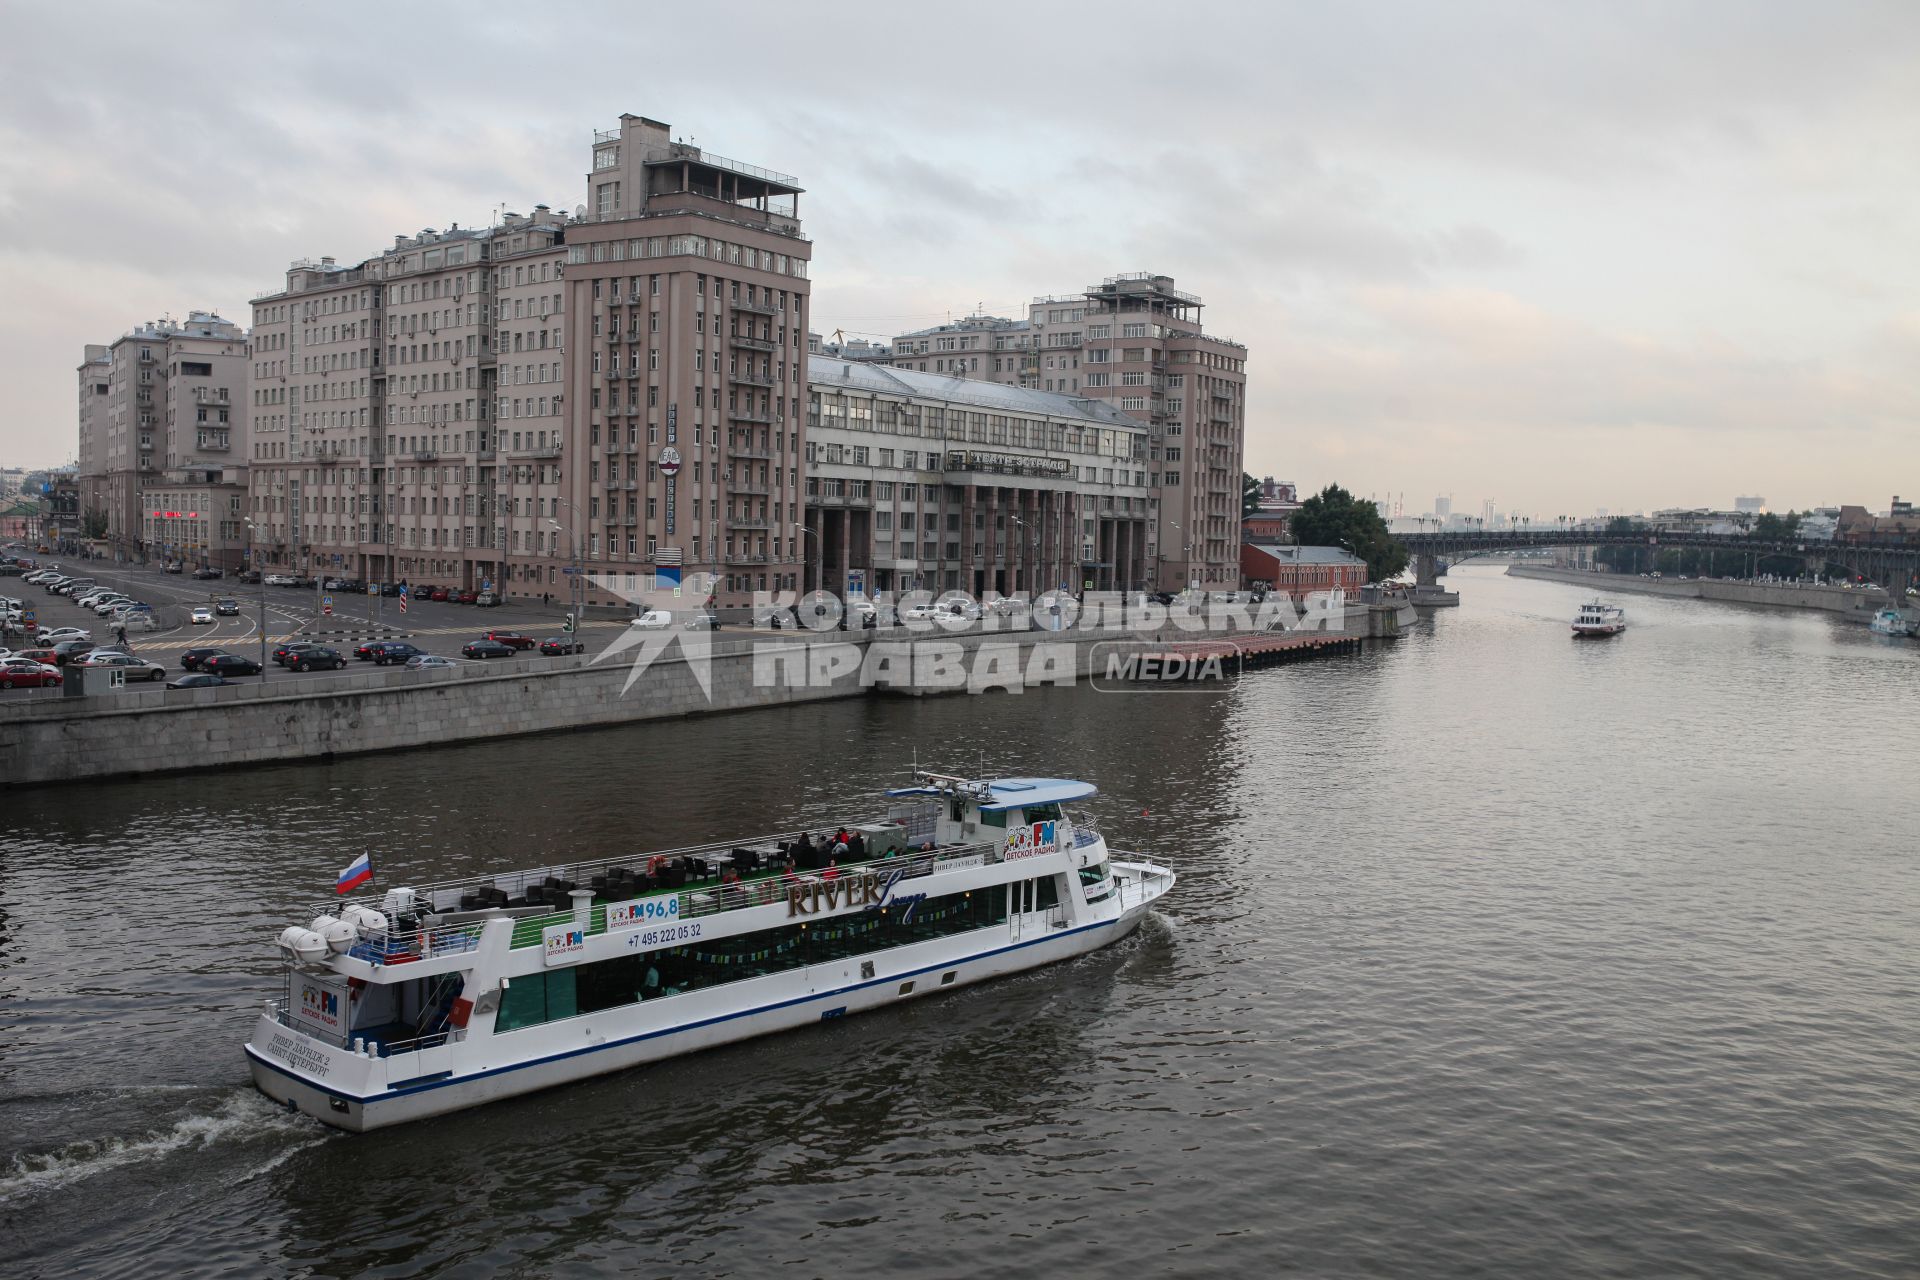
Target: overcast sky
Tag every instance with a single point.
(1561, 256)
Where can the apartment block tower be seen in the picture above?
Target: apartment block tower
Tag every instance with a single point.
(1136, 342)
(687, 302)
(384, 393)
(165, 408)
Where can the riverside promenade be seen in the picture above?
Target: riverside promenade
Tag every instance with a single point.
(1776, 595)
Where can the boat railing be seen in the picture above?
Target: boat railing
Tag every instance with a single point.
(364, 1045)
(1085, 830)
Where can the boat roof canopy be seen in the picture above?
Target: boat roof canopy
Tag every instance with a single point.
(1012, 793)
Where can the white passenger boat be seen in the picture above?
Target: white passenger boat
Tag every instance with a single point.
(1597, 619)
(452, 995)
(1890, 622)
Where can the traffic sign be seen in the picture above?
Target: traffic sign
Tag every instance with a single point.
(373, 588)
(569, 569)
(326, 606)
(403, 602)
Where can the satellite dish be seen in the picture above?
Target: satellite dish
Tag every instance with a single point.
(579, 211)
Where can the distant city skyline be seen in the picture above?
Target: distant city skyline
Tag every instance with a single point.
(1572, 257)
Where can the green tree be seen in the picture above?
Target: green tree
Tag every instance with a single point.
(1249, 495)
(1623, 557)
(94, 524)
(1335, 518)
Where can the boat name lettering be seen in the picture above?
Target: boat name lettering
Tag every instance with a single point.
(304, 1056)
(564, 942)
(871, 890)
(663, 937)
(638, 911)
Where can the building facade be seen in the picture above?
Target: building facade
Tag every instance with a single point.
(687, 303)
(165, 404)
(1137, 343)
(1296, 571)
(929, 482)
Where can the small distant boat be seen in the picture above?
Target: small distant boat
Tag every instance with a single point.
(1890, 622)
(1597, 619)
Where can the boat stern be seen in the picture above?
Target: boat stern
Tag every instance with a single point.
(327, 1082)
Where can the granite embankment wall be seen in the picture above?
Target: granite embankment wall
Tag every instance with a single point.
(1830, 599)
(150, 730)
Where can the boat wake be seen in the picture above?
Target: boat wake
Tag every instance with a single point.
(240, 1115)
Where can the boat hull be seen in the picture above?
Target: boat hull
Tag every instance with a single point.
(349, 1092)
(1598, 629)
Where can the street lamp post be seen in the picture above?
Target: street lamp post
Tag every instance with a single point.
(575, 594)
(253, 563)
(819, 552)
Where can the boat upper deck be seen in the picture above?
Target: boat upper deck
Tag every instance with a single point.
(683, 883)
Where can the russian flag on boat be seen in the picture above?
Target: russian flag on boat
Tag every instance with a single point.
(358, 872)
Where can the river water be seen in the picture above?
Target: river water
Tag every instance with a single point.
(1495, 953)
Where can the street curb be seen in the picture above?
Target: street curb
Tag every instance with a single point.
(357, 635)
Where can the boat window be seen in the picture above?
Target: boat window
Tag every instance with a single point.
(1043, 813)
(993, 817)
(623, 980)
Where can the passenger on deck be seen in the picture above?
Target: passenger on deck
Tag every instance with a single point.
(803, 850)
(857, 847)
(927, 847)
(833, 870)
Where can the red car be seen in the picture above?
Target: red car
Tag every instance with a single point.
(464, 597)
(22, 673)
(513, 639)
(439, 595)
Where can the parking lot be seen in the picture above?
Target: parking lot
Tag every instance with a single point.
(289, 613)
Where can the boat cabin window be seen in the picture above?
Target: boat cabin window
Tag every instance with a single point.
(1043, 813)
(993, 817)
(536, 998)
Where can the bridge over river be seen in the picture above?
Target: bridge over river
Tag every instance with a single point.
(1893, 565)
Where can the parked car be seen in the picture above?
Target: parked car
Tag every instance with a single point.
(316, 657)
(251, 577)
(512, 639)
(227, 608)
(701, 622)
(429, 662)
(287, 650)
(174, 566)
(24, 673)
(386, 652)
(653, 620)
(192, 659)
(560, 646)
(201, 616)
(111, 605)
(51, 636)
(486, 600)
(279, 580)
(42, 656)
(197, 680)
(465, 597)
(486, 649)
(439, 595)
(392, 588)
(136, 668)
(207, 574)
(67, 652)
(230, 664)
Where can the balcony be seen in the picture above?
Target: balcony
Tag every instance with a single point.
(748, 557)
(213, 444)
(426, 455)
(748, 451)
(758, 308)
(545, 451)
(211, 396)
(488, 455)
(753, 344)
(747, 522)
(753, 379)
(750, 415)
